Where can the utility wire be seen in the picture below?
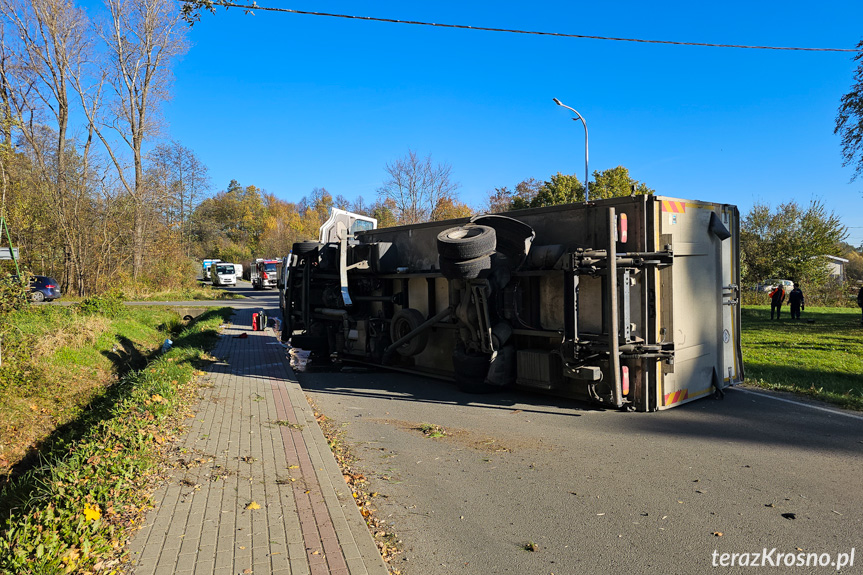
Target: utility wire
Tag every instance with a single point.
(253, 6)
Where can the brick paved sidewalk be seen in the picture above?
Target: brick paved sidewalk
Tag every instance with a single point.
(254, 440)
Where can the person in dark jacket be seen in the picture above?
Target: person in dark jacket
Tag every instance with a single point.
(795, 300)
(777, 297)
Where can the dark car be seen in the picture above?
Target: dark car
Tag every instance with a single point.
(44, 288)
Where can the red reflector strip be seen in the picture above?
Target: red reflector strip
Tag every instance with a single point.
(623, 228)
(674, 207)
(677, 396)
(624, 380)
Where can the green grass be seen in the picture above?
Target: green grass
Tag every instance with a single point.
(76, 506)
(202, 292)
(432, 430)
(822, 359)
(56, 359)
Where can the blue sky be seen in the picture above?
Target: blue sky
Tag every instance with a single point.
(290, 102)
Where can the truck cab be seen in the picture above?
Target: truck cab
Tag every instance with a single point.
(223, 274)
(265, 273)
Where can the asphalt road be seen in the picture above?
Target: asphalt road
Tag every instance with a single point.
(268, 299)
(598, 491)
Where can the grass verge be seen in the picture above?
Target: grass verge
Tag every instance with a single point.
(73, 510)
(201, 292)
(820, 355)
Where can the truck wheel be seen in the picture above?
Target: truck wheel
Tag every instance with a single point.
(466, 242)
(287, 328)
(471, 370)
(405, 321)
(464, 270)
(301, 248)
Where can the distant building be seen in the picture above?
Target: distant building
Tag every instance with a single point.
(836, 267)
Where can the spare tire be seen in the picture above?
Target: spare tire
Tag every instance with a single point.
(466, 242)
(464, 270)
(405, 321)
(301, 248)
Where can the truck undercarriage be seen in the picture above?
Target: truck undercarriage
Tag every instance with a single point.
(630, 302)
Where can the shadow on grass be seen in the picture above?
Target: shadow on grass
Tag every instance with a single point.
(127, 357)
(60, 443)
(806, 379)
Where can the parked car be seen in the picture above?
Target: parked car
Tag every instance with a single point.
(44, 288)
(768, 285)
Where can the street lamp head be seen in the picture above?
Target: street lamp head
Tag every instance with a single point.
(577, 118)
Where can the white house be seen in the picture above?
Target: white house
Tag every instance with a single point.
(836, 267)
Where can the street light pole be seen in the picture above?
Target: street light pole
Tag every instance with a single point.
(580, 117)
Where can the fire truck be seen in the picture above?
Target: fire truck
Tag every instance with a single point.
(631, 303)
(264, 273)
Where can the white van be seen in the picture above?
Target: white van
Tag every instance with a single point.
(238, 270)
(223, 274)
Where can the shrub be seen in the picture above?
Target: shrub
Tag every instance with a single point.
(13, 294)
(830, 293)
(109, 305)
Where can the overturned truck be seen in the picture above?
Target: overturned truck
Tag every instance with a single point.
(632, 302)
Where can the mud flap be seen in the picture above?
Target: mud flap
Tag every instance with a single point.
(719, 392)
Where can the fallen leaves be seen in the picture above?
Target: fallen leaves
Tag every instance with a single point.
(92, 513)
(253, 505)
(354, 478)
(431, 430)
(386, 541)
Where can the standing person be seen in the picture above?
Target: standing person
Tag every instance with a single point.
(777, 296)
(860, 303)
(795, 300)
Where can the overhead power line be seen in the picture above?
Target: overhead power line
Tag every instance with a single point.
(253, 6)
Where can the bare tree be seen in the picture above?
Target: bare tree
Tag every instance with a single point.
(415, 187)
(50, 46)
(142, 37)
(182, 181)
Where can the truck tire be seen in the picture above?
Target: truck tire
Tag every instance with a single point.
(466, 242)
(302, 248)
(464, 270)
(470, 372)
(405, 321)
(514, 237)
